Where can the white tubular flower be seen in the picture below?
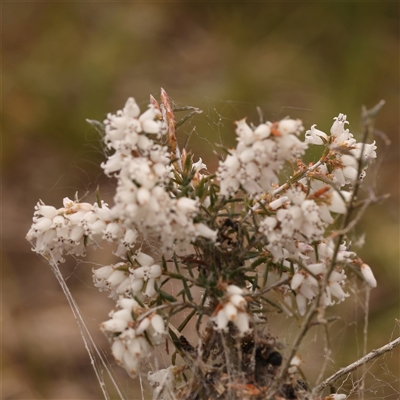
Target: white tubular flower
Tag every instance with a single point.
(127, 333)
(233, 289)
(368, 275)
(114, 325)
(301, 303)
(116, 278)
(112, 279)
(278, 203)
(244, 132)
(118, 349)
(368, 151)
(128, 304)
(157, 323)
(113, 232)
(297, 280)
(205, 232)
(337, 203)
(337, 291)
(102, 273)
(262, 131)
(296, 361)
(148, 273)
(144, 259)
(315, 136)
(242, 322)
(336, 397)
(227, 173)
(287, 126)
(234, 310)
(338, 126)
(46, 211)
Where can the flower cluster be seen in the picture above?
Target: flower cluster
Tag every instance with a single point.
(345, 152)
(132, 335)
(124, 279)
(213, 234)
(259, 156)
(142, 167)
(69, 229)
(233, 310)
(297, 218)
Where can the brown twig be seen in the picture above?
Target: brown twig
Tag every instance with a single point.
(357, 364)
(170, 119)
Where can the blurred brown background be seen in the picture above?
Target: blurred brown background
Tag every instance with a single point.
(65, 62)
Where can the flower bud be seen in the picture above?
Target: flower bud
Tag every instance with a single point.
(368, 275)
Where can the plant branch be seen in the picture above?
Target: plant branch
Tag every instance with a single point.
(269, 288)
(283, 187)
(357, 364)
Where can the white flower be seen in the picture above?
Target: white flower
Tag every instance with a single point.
(262, 131)
(157, 322)
(296, 361)
(144, 259)
(114, 325)
(337, 203)
(337, 291)
(234, 310)
(287, 126)
(338, 126)
(368, 275)
(205, 232)
(315, 136)
(127, 334)
(297, 280)
(368, 151)
(273, 205)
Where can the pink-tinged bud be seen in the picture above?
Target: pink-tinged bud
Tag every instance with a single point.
(368, 275)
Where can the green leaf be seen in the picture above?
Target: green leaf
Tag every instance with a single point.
(167, 296)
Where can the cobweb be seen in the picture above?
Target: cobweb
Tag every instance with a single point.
(348, 338)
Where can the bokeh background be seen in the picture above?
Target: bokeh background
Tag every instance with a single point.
(63, 62)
